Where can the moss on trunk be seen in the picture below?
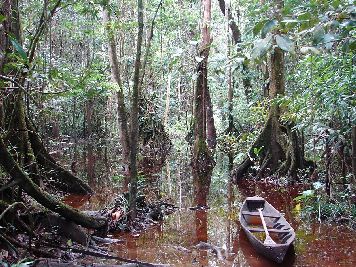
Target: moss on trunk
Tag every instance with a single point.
(278, 149)
(15, 171)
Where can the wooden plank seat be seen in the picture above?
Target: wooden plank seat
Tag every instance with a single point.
(256, 213)
(270, 230)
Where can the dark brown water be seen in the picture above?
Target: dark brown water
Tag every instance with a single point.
(174, 241)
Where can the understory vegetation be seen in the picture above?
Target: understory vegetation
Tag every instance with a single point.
(268, 86)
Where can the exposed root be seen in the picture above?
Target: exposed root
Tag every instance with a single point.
(276, 151)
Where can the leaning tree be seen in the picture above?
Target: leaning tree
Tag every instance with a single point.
(23, 155)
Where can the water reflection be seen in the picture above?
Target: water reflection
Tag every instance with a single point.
(247, 255)
(201, 192)
(174, 241)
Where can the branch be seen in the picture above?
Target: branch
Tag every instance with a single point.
(8, 79)
(41, 27)
(8, 243)
(19, 86)
(10, 207)
(34, 250)
(150, 36)
(103, 255)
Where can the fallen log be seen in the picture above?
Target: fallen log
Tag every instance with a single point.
(62, 227)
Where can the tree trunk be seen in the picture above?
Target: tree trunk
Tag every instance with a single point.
(230, 94)
(210, 126)
(134, 114)
(21, 135)
(59, 176)
(327, 166)
(148, 46)
(5, 9)
(276, 69)
(88, 118)
(115, 75)
(353, 178)
(277, 149)
(202, 159)
(236, 33)
(168, 92)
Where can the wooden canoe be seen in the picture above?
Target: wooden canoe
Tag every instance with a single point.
(279, 229)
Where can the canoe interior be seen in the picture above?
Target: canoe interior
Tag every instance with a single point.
(279, 229)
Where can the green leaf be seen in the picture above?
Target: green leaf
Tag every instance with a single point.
(349, 45)
(305, 16)
(269, 25)
(69, 242)
(285, 43)
(19, 49)
(258, 27)
(328, 40)
(318, 34)
(335, 4)
(261, 46)
(2, 18)
(309, 50)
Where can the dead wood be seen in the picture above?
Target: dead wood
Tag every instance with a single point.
(58, 263)
(65, 228)
(35, 251)
(99, 254)
(10, 207)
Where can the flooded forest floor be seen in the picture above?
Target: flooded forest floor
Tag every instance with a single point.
(177, 239)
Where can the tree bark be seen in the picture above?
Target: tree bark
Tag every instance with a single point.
(115, 75)
(353, 178)
(168, 92)
(210, 126)
(134, 113)
(148, 46)
(277, 149)
(5, 9)
(202, 159)
(236, 33)
(327, 166)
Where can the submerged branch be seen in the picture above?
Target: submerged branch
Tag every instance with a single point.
(104, 255)
(9, 208)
